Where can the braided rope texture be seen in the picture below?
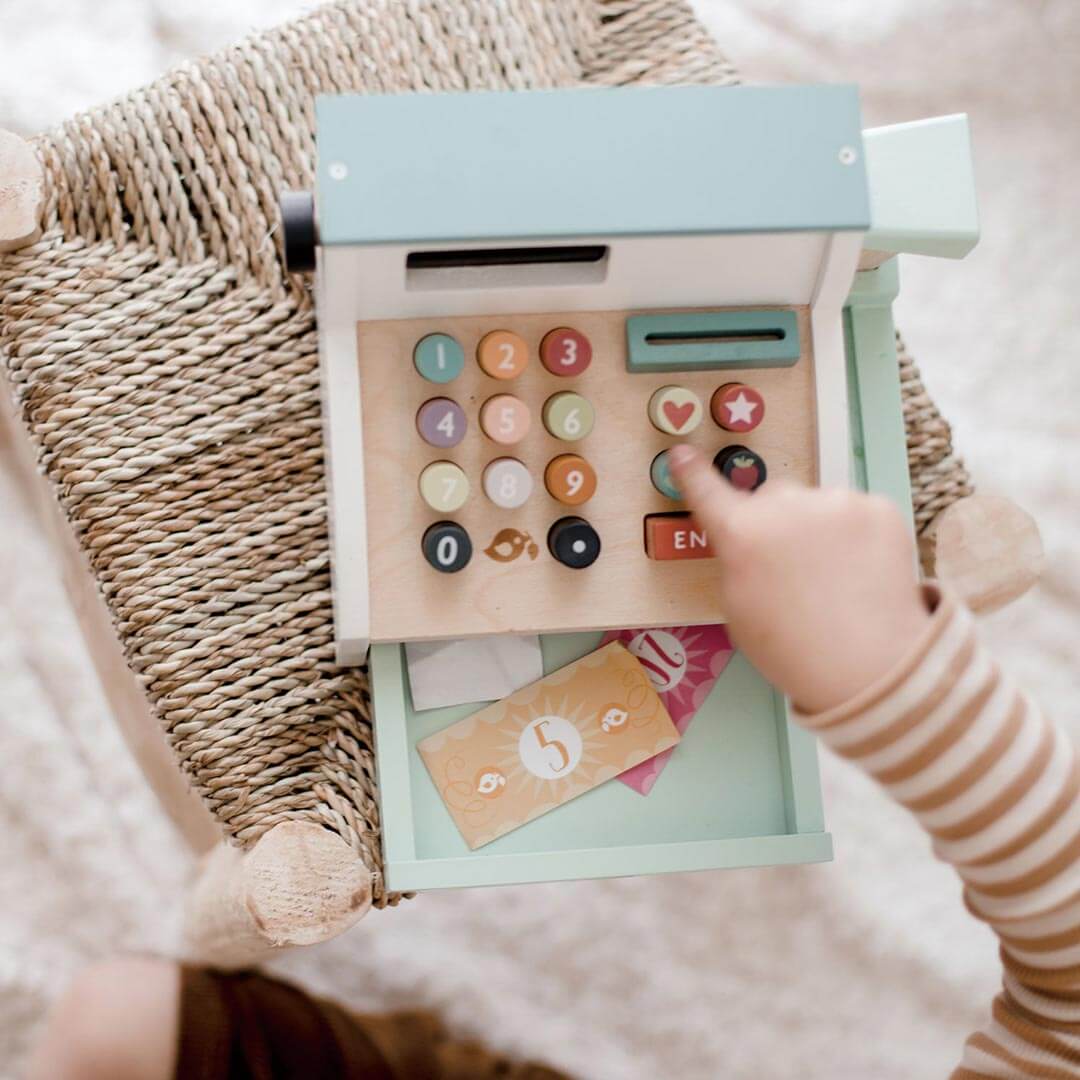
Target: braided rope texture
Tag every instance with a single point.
(165, 367)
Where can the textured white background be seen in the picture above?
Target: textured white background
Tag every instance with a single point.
(867, 967)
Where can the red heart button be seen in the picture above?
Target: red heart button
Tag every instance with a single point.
(678, 414)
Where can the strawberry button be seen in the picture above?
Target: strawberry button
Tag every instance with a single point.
(742, 468)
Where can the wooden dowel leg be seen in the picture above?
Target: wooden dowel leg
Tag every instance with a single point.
(22, 193)
(298, 885)
(986, 549)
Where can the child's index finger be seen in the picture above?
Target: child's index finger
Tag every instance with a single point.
(712, 499)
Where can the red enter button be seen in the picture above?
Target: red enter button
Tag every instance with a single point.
(675, 536)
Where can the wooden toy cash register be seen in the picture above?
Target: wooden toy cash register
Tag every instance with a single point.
(524, 300)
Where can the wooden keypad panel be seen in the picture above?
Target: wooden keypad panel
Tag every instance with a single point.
(497, 445)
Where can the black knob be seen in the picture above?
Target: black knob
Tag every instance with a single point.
(447, 547)
(741, 467)
(298, 224)
(574, 542)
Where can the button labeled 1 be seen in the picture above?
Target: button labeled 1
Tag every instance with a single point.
(438, 358)
(444, 487)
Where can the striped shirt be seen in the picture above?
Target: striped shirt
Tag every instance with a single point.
(997, 786)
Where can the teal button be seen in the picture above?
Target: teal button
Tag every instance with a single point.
(439, 358)
(661, 477)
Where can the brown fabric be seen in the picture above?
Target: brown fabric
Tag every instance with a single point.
(249, 1026)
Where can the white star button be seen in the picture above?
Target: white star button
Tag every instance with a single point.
(741, 410)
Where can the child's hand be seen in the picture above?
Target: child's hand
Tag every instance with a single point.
(818, 586)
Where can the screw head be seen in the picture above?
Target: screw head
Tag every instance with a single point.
(847, 155)
(337, 170)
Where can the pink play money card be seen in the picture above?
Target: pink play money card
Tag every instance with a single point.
(683, 664)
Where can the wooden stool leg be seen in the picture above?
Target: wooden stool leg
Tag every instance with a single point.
(986, 548)
(298, 885)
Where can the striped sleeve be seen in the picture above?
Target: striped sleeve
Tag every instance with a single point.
(996, 786)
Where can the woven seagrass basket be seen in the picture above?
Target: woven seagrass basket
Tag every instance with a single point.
(164, 368)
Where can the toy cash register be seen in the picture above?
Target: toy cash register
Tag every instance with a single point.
(524, 300)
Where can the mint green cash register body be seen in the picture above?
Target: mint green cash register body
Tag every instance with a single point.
(790, 189)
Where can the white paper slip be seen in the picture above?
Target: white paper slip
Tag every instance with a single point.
(471, 669)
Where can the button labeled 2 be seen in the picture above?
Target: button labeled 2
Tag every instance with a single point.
(675, 536)
(502, 354)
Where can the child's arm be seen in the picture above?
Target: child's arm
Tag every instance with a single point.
(819, 590)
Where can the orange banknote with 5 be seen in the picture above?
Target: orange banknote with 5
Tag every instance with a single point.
(547, 743)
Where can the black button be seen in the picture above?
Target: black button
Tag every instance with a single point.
(447, 547)
(298, 226)
(574, 542)
(742, 468)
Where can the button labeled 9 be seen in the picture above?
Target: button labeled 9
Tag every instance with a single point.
(570, 479)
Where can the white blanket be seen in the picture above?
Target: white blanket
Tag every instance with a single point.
(868, 967)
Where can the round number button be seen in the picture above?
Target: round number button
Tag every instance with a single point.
(502, 354)
(507, 483)
(568, 416)
(570, 479)
(574, 542)
(441, 422)
(447, 547)
(439, 358)
(660, 474)
(743, 468)
(443, 486)
(565, 351)
(505, 419)
(674, 410)
(737, 407)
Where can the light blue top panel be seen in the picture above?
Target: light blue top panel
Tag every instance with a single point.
(631, 161)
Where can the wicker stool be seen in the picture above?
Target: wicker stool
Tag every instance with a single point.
(165, 379)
